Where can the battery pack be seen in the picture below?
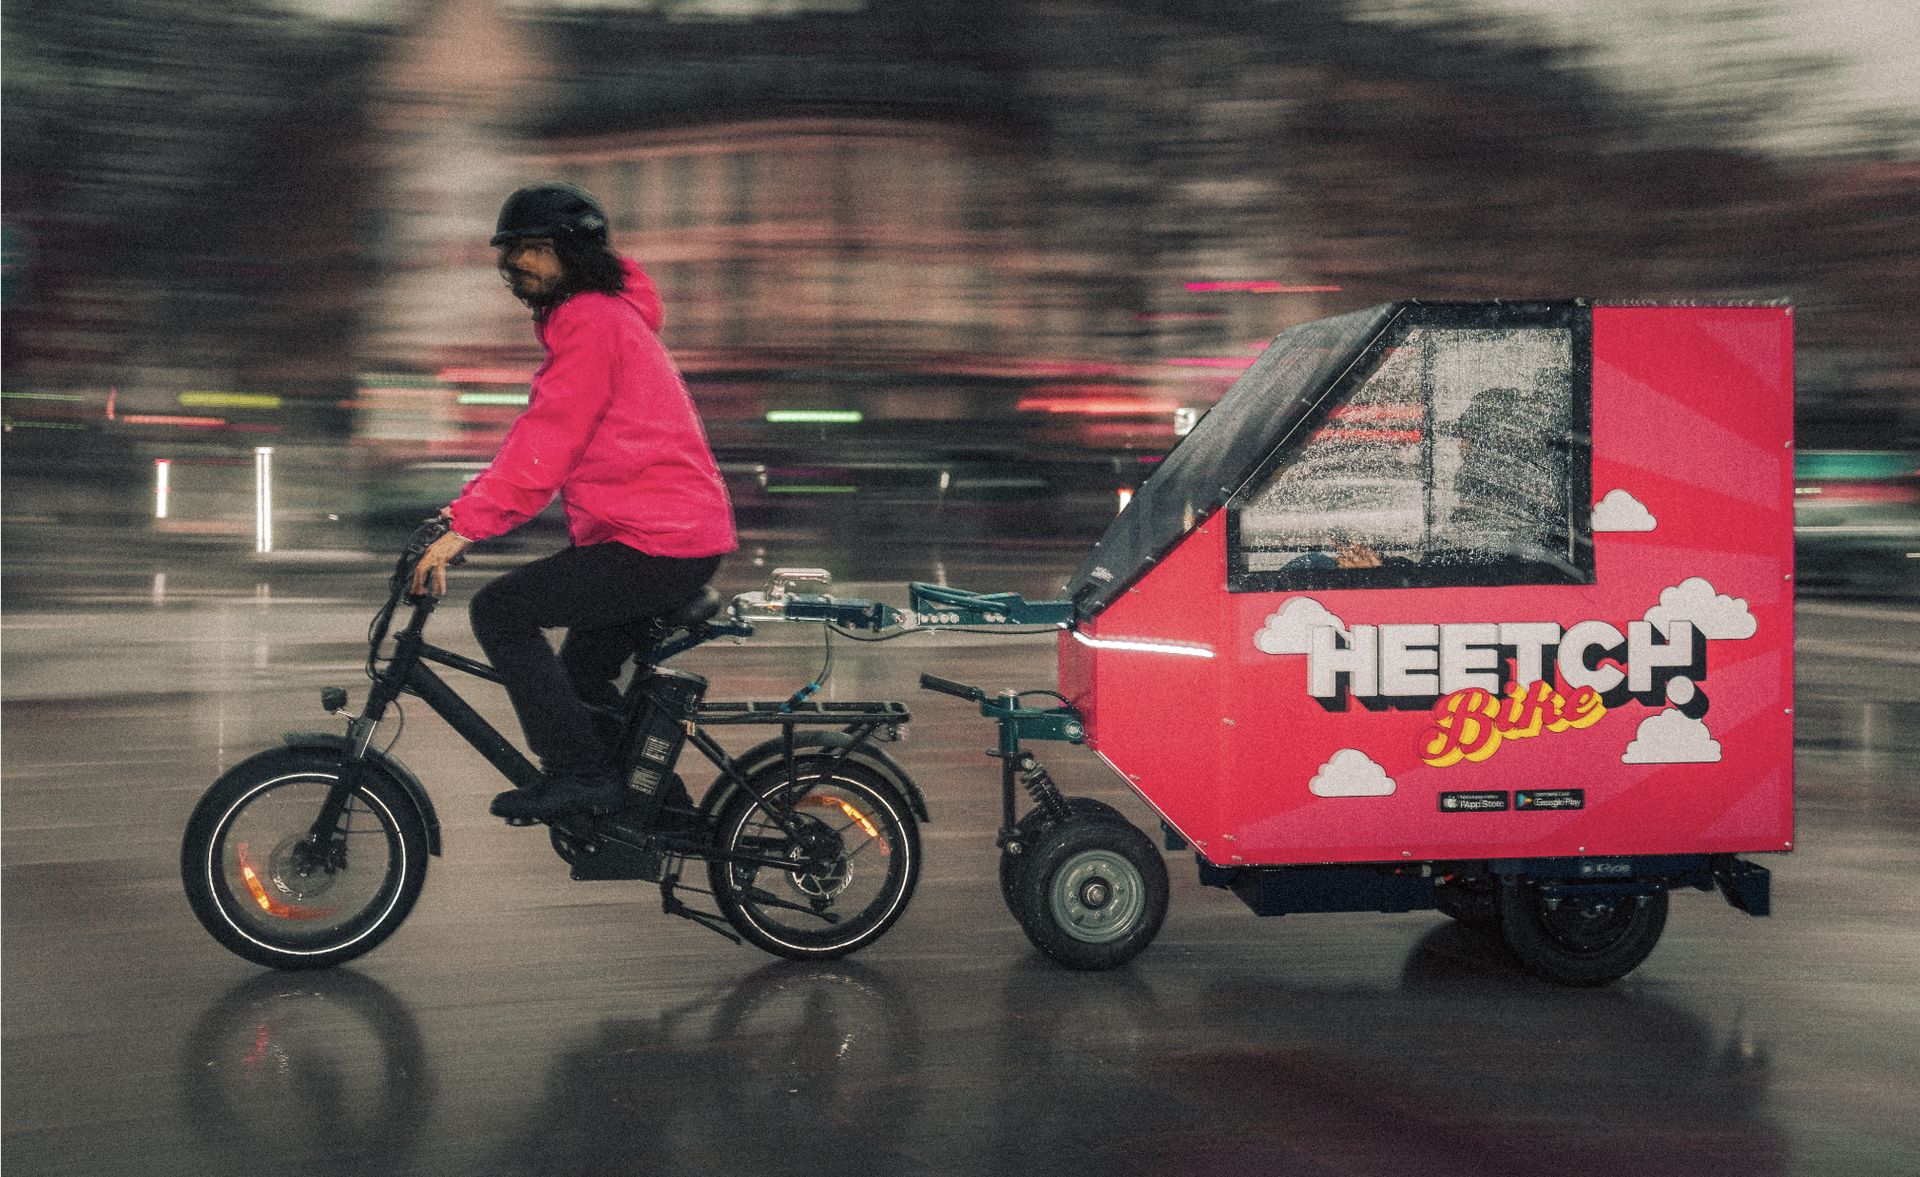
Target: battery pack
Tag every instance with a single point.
(661, 710)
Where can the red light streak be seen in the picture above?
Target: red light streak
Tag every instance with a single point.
(1256, 288)
(1095, 407)
(168, 419)
(1210, 362)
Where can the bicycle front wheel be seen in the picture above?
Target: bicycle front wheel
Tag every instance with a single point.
(818, 867)
(271, 892)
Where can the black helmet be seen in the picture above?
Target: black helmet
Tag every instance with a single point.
(550, 210)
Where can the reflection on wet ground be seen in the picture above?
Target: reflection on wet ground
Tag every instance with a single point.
(521, 1023)
(842, 1067)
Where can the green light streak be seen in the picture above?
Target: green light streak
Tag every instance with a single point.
(491, 398)
(11, 424)
(814, 417)
(39, 396)
(1840, 465)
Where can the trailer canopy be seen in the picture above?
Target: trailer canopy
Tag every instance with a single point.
(1410, 444)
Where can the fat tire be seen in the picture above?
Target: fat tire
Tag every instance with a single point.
(731, 886)
(1068, 858)
(215, 902)
(1030, 830)
(1569, 948)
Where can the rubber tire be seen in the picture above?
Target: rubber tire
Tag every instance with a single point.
(734, 812)
(1046, 887)
(1549, 944)
(1031, 827)
(201, 850)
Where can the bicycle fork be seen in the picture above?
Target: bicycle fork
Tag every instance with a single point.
(353, 768)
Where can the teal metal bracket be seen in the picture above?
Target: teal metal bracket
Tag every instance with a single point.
(1032, 723)
(934, 604)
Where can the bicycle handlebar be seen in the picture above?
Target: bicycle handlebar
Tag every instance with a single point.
(946, 686)
(399, 584)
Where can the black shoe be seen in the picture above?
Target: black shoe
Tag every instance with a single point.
(520, 807)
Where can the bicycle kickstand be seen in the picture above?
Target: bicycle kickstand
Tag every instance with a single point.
(670, 904)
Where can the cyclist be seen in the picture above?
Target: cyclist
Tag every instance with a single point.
(608, 427)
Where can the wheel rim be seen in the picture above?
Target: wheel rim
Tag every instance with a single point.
(1585, 928)
(858, 863)
(1097, 896)
(281, 892)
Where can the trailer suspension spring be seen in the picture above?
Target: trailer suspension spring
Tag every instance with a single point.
(1039, 785)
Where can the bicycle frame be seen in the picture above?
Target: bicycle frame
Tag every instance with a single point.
(407, 672)
(775, 835)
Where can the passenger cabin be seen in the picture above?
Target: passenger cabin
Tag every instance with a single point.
(1463, 581)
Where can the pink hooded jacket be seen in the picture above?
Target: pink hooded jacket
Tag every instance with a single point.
(609, 427)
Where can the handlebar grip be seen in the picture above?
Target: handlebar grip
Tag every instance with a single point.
(430, 529)
(946, 686)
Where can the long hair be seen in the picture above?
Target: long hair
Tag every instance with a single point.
(588, 264)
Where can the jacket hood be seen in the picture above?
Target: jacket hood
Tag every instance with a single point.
(640, 294)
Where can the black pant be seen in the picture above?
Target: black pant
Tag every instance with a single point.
(604, 594)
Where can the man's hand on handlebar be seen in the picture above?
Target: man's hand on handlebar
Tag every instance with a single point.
(431, 571)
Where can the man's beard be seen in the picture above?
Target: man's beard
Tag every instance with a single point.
(539, 301)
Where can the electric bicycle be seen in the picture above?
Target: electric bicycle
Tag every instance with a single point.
(312, 854)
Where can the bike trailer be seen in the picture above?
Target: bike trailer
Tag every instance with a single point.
(1484, 606)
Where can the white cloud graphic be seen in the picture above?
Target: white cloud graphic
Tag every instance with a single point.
(1287, 631)
(1672, 738)
(1714, 615)
(1351, 774)
(1620, 511)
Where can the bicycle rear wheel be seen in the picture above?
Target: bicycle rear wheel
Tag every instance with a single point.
(268, 892)
(835, 856)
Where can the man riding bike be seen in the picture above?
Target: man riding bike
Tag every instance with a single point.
(610, 428)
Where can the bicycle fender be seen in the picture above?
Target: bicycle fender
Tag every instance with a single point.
(770, 751)
(390, 765)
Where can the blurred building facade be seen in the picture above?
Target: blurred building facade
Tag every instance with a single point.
(1035, 227)
(1137, 192)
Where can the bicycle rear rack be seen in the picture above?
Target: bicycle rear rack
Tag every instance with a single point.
(854, 714)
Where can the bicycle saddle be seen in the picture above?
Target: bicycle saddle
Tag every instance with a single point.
(693, 610)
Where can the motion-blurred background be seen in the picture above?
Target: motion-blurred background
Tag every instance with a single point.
(936, 269)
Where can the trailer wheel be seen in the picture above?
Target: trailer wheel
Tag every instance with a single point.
(1094, 893)
(1575, 941)
(1028, 835)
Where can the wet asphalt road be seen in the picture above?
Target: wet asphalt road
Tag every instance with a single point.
(520, 1023)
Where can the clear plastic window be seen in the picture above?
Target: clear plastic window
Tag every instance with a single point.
(1453, 462)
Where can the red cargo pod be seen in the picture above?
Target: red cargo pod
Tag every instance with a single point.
(1445, 581)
